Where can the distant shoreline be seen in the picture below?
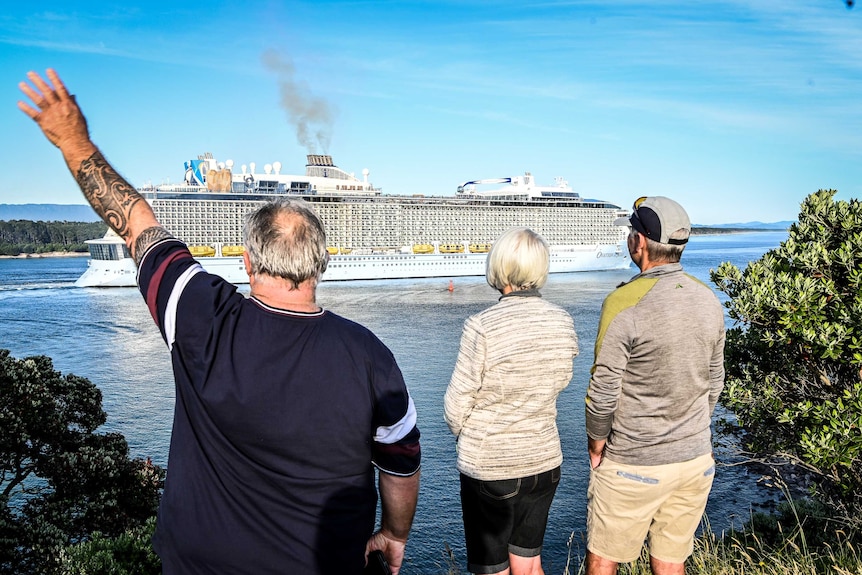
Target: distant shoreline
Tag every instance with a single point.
(707, 231)
(47, 255)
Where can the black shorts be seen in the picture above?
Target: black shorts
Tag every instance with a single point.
(506, 516)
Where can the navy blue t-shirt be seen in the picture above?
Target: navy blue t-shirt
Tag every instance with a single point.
(280, 417)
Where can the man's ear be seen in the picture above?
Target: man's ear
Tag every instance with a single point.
(639, 241)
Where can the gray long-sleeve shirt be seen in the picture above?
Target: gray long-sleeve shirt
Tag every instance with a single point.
(659, 369)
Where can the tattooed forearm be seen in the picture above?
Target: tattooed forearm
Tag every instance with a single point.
(110, 195)
(147, 238)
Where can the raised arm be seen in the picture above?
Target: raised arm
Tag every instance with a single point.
(112, 197)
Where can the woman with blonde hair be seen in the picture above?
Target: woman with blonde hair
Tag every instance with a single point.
(501, 404)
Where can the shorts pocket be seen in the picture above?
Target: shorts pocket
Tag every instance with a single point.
(555, 475)
(500, 490)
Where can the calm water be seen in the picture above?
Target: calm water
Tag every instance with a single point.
(107, 336)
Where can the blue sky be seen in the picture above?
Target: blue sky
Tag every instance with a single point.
(737, 109)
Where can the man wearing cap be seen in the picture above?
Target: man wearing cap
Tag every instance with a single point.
(658, 372)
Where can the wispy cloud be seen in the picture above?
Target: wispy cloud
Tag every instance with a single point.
(67, 47)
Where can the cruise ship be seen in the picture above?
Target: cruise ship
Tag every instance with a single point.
(370, 235)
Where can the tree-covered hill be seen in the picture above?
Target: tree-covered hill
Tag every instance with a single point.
(29, 237)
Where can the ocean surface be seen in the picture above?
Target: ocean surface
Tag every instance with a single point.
(107, 336)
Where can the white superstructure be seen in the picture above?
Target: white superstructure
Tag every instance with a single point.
(371, 235)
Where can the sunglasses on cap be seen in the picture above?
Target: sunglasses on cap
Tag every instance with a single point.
(646, 221)
(634, 219)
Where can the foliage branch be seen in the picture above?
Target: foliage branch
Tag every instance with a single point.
(60, 480)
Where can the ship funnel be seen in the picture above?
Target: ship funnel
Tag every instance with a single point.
(365, 173)
(319, 160)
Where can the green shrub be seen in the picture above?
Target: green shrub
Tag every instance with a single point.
(794, 355)
(130, 553)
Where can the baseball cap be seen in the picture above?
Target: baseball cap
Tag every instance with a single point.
(657, 217)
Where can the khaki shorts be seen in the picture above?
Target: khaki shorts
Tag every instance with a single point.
(627, 502)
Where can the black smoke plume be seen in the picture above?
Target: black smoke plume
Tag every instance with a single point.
(311, 116)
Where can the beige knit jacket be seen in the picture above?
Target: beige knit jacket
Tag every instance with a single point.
(501, 404)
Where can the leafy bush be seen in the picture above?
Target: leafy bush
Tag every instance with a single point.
(794, 356)
(130, 553)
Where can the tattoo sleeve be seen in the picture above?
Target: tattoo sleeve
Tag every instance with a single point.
(110, 195)
(147, 238)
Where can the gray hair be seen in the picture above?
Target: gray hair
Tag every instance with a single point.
(667, 253)
(284, 238)
(520, 258)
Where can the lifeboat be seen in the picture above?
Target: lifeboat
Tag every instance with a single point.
(451, 248)
(480, 248)
(423, 249)
(332, 251)
(345, 251)
(232, 251)
(202, 251)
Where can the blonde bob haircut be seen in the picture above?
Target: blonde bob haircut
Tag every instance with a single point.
(519, 258)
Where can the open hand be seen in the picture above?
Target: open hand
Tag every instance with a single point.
(54, 110)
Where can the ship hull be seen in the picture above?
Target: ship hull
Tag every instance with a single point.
(109, 273)
(122, 273)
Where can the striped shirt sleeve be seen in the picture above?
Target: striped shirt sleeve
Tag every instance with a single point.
(396, 448)
(165, 270)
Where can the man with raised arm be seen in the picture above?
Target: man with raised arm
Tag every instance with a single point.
(283, 409)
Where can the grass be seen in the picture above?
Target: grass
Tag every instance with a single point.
(800, 539)
(748, 555)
